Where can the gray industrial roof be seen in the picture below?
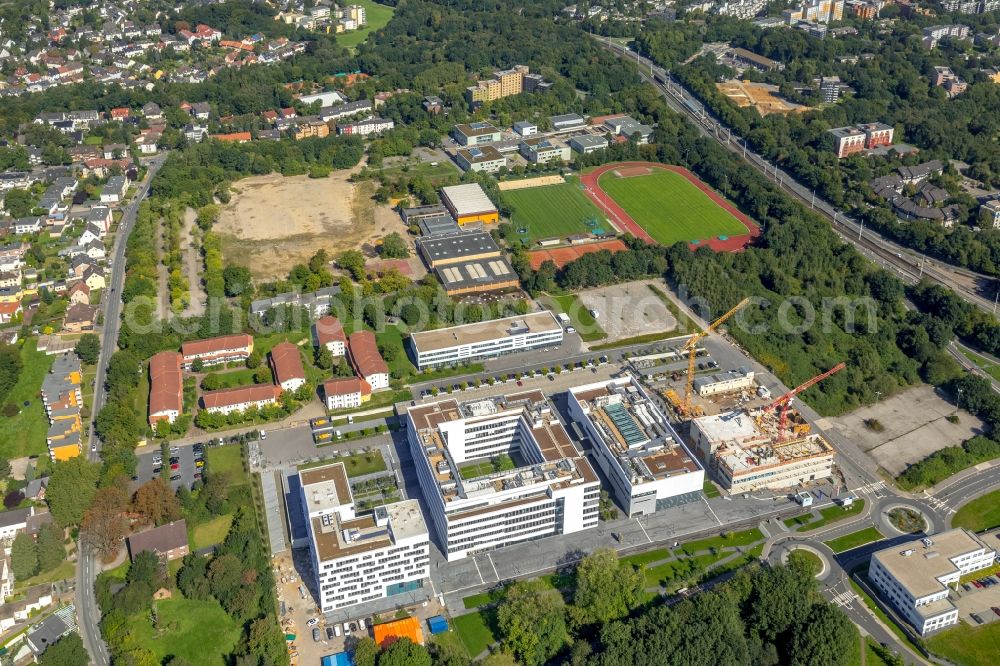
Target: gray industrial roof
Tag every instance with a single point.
(457, 245)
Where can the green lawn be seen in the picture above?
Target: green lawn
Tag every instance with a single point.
(670, 208)
(966, 645)
(744, 538)
(830, 514)
(806, 558)
(64, 571)
(442, 174)
(579, 315)
(400, 365)
(24, 434)
(226, 460)
(476, 630)
(199, 631)
(854, 539)
(552, 211)
(234, 378)
(979, 514)
(710, 489)
(209, 533)
(376, 15)
(358, 464)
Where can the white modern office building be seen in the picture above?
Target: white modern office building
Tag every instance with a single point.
(357, 559)
(483, 340)
(476, 502)
(644, 459)
(915, 576)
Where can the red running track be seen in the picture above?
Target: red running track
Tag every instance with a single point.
(625, 222)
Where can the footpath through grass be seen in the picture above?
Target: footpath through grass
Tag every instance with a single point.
(979, 514)
(552, 211)
(854, 540)
(24, 434)
(670, 208)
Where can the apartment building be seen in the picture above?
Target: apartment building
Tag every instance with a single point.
(328, 332)
(645, 460)
(286, 365)
(476, 503)
(915, 576)
(367, 361)
(357, 559)
(62, 396)
(346, 392)
(866, 136)
(484, 340)
(366, 127)
(166, 387)
(240, 399)
(989, 213)
(505, 83)
(213, 351)
(815, 11)
(935, 33)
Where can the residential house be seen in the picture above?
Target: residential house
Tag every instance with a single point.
(367, 361)
(286, 364)
(168, 542)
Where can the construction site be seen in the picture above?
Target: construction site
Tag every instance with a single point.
(746, 440)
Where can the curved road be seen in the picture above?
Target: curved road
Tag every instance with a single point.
(908, 264)
(88, 614)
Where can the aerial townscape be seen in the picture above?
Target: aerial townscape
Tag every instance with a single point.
(449, 332)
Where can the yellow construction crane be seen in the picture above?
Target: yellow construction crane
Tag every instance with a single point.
(691, 346)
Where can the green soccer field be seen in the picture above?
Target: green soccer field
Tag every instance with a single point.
(553, 210)
(670, 208)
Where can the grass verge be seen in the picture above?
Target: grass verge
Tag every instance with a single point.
(980, 514)
(854, 540)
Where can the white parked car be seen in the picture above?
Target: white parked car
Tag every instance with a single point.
(312, 622)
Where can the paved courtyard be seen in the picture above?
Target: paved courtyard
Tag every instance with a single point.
(914, 425)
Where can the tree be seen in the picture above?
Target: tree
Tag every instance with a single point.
(10, 369)
(532, 622)
(237, 280)
(324, 357)
(67, 651)
(394, 247)
(365, 652)
(71, 488)
(104, 524)
(12, 499)
(404, 652)
(51, 551)
(605, 589)
(23, 557)
(88, 348)
(353, 262)
(156, 502)
(828, 637)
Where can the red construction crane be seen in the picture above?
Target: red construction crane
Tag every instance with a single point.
(785, 401)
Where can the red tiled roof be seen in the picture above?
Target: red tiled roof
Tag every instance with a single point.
(240, 394)
(364, 354)
(329, 329)
(217, 345)
(346, 386)
(287, 362)
(166, 391)
(238, 137)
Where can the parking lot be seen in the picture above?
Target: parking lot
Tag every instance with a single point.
(976, 600)
(185, 471)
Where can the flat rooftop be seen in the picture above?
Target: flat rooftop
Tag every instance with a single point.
(635, 432)
(336, 538)
(476, 129)
(562, 462)
(479, 273)
(468, 199)
(326, 487)
(456, 246)
(480, 154)
(467, 334)
(918, 567)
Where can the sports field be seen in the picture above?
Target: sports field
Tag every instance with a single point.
(670, 207)
(553, 210)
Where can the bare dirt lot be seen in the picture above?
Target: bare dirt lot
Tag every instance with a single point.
(275, 222)
(540, 181)
(628, 310)
(914, 426)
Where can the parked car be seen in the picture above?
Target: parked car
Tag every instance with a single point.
(315, 635)
(312, 622)
(329, 633)
(175, 477)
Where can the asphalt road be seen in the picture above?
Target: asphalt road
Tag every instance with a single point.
(88, 614)
(907, 264)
